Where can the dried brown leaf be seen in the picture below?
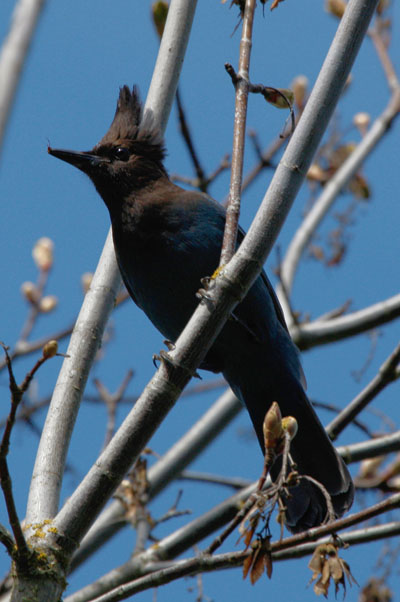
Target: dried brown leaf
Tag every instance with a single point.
(259, 559)
(275, 4)
(257, 568)
(327, 565)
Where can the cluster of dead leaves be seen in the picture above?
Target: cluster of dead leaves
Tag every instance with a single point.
(259, 559)
(322, 173)
(327, 566)
(132, 492)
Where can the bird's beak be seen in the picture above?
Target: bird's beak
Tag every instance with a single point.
(84, 161)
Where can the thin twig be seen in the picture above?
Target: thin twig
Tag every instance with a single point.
(330, 407)
(7, 541)
(23, 347)
(173, 512)
(334, 313)
(258, 498)
(111, 401)
(34, 312)
(381, 50)
(239, 132)
(202, 180)
(17, 392)
(265, 160)
(25, 412)
(265, 156)
(325, 493)
(206, 477)
(387, 374)
(250, 503)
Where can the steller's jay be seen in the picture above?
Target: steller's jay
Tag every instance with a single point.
(166, 239)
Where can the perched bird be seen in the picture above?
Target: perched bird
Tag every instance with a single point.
(166, 239)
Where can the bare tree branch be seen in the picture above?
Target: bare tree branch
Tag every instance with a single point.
(132, 569)
(13, 54)
(330, 192)
(239, 135)
(218, 516)
(388, 372)
(322, 332)
(214, 479)
(204, 564)
(180, 455)
(370, 448)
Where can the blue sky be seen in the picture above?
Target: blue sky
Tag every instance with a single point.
(82, 52)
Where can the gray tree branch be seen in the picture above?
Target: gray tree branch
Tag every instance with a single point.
(13, 54)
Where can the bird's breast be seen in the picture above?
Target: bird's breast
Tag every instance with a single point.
(162, 269)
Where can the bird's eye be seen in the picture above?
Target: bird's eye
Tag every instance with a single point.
(121, 153)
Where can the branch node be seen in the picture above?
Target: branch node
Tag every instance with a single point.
(171, 365)
(233, 75)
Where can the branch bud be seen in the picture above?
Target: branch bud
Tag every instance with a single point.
(362, 121)
(48, 303)
(159, 12)
(30, 292)
(299, 87)
(86, 281)
(336, 7)
(42, 253)
(272, 427)
(289, 424)
(50, 349)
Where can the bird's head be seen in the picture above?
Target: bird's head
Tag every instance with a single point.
(128, 158)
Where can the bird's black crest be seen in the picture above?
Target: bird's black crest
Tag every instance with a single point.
(129, 122)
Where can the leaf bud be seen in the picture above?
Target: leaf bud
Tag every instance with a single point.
(42, 253)
(50, 349)
(48, 303)
(86, 280)
(30, 292)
